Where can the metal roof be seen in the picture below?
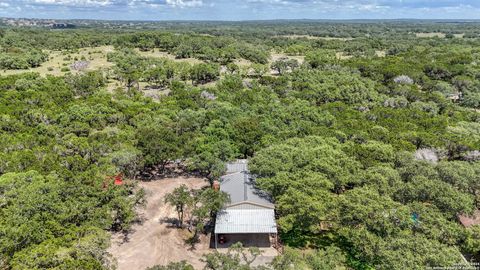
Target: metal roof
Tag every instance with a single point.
(241, 188)
(241, 165)
(250, 209)
(231, 221)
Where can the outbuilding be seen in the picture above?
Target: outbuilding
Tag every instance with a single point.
(250, 216)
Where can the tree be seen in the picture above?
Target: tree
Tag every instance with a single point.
(320, 86)
(448, 199)
(87, 83)
(237, 257)
(87, 251)
(289, 260)
(208, 165)
(158, 143)
(232, 68)
(129, 67)
(372, 153)
(179, 198)
(254, 54)
(310, 154)
(329, 258)
(25, 221)
(472, 242)
(462, 138)
(321, 58)
(204, 73)
(284, 64)
(471, 99)
(248, 133)
(198, 206)
(460, 174)
(129, 161)
(209, 157)
(203, 207)
(257, 70)
(157, 75)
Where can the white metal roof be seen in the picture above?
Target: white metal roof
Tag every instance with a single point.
(241, 165)
(241, 188)
(231, 221)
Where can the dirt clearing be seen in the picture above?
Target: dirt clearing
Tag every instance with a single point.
(155, 241)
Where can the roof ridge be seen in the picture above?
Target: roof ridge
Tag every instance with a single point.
(245, 193)
(266, 206)
(233, 173)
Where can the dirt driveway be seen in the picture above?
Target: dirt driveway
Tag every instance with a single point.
(155, 242)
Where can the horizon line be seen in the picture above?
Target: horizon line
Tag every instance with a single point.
(250, 20)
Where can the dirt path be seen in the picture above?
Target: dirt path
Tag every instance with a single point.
(155, 242)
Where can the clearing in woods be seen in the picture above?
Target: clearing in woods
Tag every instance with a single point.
(315, 37)
(436, 34)
(96, 56)
(277, 56)
(156, 53)
(155, 241)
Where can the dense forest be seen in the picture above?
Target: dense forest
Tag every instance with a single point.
(365, 134)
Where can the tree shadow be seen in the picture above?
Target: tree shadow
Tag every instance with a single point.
(192, 242)
(172, 223)
(125, 235)
(195, 239)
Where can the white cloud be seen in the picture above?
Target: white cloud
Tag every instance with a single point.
(79, 3)
(107, 3)
(185, 3)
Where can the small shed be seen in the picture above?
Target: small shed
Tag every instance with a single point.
(250, 215)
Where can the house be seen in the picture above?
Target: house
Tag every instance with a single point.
(250, 216)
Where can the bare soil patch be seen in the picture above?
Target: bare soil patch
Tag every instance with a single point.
(155, 241)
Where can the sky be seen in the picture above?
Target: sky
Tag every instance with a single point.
(240, 9)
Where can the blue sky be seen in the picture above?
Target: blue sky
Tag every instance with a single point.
(240, 9)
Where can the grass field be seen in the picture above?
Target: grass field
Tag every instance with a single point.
(276, 56)
(158, 54)
(96, 56)
(439, 35)
(342, 56)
